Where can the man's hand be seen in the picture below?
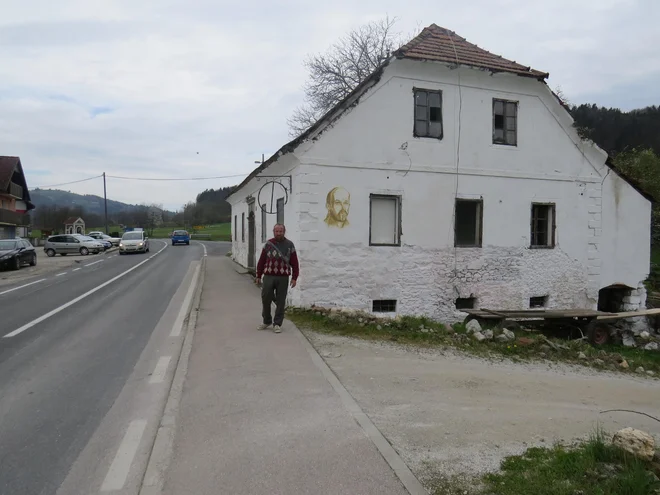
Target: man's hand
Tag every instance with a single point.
(293, 283)
(257, 280)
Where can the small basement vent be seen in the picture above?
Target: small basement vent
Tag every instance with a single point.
(538, 302)
(384, 305)
(466, 303)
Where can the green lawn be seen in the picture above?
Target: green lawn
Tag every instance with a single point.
(218, 232)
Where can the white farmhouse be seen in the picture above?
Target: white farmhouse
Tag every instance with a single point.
(451, 178)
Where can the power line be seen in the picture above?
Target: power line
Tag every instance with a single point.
(175, 179)
(67, 183)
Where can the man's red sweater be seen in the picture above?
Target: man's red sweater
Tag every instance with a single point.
(271, 263)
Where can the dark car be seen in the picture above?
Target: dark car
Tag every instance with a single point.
(16, 252)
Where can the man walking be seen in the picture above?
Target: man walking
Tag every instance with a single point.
(278, 262)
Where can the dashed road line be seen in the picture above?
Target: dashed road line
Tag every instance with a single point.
(121, 465)
(161, 368)
(21, 286)
(60, 274)
(74, 301)
(93, 263)
(76, 269)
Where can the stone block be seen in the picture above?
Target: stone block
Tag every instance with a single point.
(593, 224)
(595, 208)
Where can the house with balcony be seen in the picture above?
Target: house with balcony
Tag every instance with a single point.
(15, 200)
(451, 178)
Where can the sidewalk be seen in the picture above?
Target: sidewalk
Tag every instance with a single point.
(258, 416)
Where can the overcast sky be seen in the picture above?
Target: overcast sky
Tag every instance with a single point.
(175, 88)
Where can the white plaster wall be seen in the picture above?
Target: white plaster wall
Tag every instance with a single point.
(426, 274)
(626, 246)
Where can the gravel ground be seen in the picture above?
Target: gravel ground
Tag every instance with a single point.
(454, 416)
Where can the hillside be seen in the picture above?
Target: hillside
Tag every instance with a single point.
(88, 202)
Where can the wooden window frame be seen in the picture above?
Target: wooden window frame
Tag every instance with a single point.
(398, 222)
(280, 201)
(533, 228)
(503, 141)
(416, 91)
(243, 227)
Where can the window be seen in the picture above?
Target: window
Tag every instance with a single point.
(264, 232)
(235, 227)
(385, 220)
(243, 227)
(466, 303)
(428, 114)
(538, 301)
(280, 211)
(384, 306)
(467, 226)
(543, 226)
(505, 122)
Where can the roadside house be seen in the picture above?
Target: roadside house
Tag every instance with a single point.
(15, 200)
(451, 178)
(74, 225)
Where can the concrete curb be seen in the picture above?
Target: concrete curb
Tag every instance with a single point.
(163, 448)
(400, 468)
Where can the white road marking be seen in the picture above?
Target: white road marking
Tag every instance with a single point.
(178, 323)
(74, 301)
(76, 269)
(204, 246)
(121, 465)
(60, 274)
(161, 368)
(20, 287)
(93, 263)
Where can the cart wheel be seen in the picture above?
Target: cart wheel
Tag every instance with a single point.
(598, 332)
(514, 326)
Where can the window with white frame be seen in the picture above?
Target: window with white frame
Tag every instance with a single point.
(428, 113)
(385, 220)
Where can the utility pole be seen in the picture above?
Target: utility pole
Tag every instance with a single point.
(105, 201)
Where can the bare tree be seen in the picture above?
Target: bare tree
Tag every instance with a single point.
(334, 74)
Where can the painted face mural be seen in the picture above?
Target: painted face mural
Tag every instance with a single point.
(338, 203)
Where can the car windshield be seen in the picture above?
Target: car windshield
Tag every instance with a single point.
(7, 245)
(180, 232)
(132, 236)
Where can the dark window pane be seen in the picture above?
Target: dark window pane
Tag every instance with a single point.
(467, 223)
(420, 128)
(498, 107)
(435, 129)
(511, 109)
(434, 99)
(421, 112)
(499, 122)
(420, 97)
(511, 137)
(510, 123)
(435, 114)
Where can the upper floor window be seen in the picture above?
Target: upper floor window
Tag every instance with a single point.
(280, 211)
(428, 113)
(505, 122)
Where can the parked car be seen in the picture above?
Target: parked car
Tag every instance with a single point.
(16, 252)
(180, 237)
(134, 242)
(100, 236)
(70, 244)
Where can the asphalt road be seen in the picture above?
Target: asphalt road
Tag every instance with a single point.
(68, 345)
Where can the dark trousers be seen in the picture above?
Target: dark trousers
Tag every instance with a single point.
(274, 288)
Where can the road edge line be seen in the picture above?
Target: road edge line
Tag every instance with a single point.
(163, 447)
(400, 469)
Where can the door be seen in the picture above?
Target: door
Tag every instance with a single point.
(251, 239)
(26, 255)
(72, 245)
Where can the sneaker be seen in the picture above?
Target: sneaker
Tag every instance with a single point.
(277, 329)
(263, 326)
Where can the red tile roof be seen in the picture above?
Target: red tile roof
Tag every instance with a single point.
(436, 43)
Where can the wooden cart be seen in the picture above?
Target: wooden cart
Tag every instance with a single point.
(593, 324)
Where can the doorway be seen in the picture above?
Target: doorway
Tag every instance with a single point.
(251, 243)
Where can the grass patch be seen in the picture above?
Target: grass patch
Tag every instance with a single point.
(594, 467)
(526, 346)
(218, 232)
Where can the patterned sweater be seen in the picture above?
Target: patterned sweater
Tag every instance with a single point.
(271, 263)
